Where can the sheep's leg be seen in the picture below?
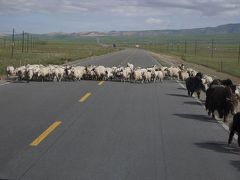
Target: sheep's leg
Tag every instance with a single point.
(198, 94)
(231, 137)
(238, 140)
(191, 94)
(213, 116)
(225, 117)
(209, 113)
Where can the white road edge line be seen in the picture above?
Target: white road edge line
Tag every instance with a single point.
(217, 119)
(128, 57)
(4, 84)
(148, 53)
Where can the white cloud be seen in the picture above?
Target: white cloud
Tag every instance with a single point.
(152, 20)
(125, 10)
(123, 7)
(122, 14)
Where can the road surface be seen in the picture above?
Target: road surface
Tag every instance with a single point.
(110, 130)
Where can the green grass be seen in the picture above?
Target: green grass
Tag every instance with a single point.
(198, 49)
(60, 50)
(224, 58)
(49, 52)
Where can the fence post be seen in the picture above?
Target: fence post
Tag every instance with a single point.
(239, 53)
(185, 49)
(212, 49)
(12, 43)
(22, 41)
(31, 43)
(195, 47)
(221, 65)
(27, 41)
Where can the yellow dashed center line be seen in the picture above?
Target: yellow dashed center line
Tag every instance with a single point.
(100, 83)
(40, 138)
(84, 98)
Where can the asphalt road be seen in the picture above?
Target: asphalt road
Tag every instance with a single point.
(122, 131)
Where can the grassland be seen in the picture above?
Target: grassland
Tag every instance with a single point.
(220, 52)
(48, 51)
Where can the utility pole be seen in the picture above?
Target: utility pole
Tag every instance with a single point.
(195, 47)
(27, 41)
(23, 42)
(12, 43)
(185, 49)
(239, 53)
(212, 50)
(31, 43)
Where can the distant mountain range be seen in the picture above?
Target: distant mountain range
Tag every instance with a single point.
(222, 29)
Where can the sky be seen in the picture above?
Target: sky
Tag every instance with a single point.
(43, 16)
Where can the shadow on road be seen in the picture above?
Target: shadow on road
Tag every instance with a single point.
(199, 117)
(192, 103)
(236, 164)
(181, 88)
(221, 147)
(177, 95)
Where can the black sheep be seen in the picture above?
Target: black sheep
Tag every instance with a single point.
(235, 127)
(194, 84)
(222, 99)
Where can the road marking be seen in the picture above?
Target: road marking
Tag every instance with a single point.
(40, 138)
(4, 84)
(148, 53)
(84, 98)
(100, 83)
(128, 57)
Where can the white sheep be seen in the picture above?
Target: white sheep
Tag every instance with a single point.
(130, 66)
(183, 75)
(100, 72)
(173, 72)
(137, 75)
(10, 71)
(159, 75)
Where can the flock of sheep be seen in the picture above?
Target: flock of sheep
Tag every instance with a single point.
(195, 81)
(93, 72)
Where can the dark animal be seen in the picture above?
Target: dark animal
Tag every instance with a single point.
(194, 84)
(182, 67)
(226, 82)
(222, 99)
(235, 127)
